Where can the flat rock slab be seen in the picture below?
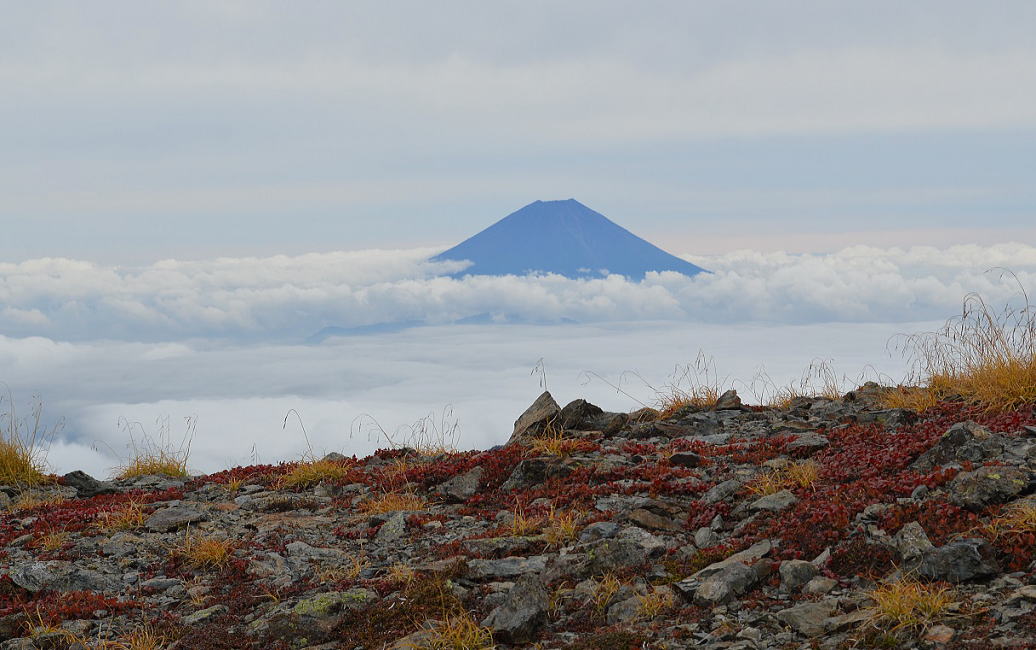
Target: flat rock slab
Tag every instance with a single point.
(173, 517)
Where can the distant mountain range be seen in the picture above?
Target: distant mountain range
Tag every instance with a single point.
(562, 237)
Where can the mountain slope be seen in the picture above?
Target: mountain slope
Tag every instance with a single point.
(563, 237)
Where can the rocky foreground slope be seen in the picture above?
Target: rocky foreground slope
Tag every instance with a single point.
(726, 527)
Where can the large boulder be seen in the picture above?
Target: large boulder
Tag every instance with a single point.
(535, 419)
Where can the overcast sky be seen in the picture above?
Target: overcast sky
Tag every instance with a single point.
(132, 131)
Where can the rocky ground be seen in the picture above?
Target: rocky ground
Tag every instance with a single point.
(721, 527)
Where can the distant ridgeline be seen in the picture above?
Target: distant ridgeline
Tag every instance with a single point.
(562, 237)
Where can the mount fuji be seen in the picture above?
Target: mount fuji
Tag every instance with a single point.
(562, 237)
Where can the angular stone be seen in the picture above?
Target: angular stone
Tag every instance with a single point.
(964, 441)
(988, 486)
(87, 486)
(599, 530)
(393, 529)
(732, 581)
(461, 488)
(205, 615)
(807, 619)
(580, 415)
(796, 573)
(728, 401)
(173, 517)
(959, 561)
(808, 444)
(685, 459)
(506, 568)
(774, 502)
(522, 613)
(911, 541)
(651, 521)
(60, 576)
(630, 547)
(535, 419)
(819, 585)
(722, 491)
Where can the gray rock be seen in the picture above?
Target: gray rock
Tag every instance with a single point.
(988, 486)
(733, 580)
(580, 415)
(505, 568)
(774, 502)
(630, 547)
(808, 444)
(685, 459)
(623, 611)
(461, 488)
(728, 401)
(205, 615)
(796, 573)
(959, 561)
(304, 551)
(911, 542)
(61, 576)
(964, 441)
(599, 530)
(705, 537)
(807, 619)
(722, 491)
(534, 471)
(173, 517)
(87, 486)
(535, 419)
(819, 585)
(651, 521)
(523, 612)
(393, 529)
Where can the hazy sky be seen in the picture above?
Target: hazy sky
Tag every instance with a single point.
(132, 131)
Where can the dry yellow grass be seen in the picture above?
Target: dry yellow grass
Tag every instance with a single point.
(984, 356)
(803, 474)
(401, 573)
(308, 474)
(603, 591)
(458, 632)
(392, 502)
(205, 552)
(143, 638)
(552, 442)
(160, 462)
(910, 604)
(522, 525)
(32, 499)
(129, 517)
(1017, 519)
(52, 541)
(657, 601)
(22, 447)
(561, 527)
(672, 400)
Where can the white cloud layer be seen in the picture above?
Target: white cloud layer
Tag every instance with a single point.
(240, 394)
(291, 298)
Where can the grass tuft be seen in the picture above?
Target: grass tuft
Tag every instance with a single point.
(562, 527)
(205, 552)
(130, 516)
(392, 502)
(795, 475)
(308, 474)
(657, 601)
(459, 632)
(23, 446)
(908, 604)
(984, 356)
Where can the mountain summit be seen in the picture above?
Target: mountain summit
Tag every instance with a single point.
(563, 237)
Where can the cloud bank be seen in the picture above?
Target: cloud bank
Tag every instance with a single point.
(286, 298)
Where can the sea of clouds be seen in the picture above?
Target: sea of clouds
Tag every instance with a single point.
(286, 298)
(218, 348)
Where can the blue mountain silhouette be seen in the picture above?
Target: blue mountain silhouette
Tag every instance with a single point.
(563, 237)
